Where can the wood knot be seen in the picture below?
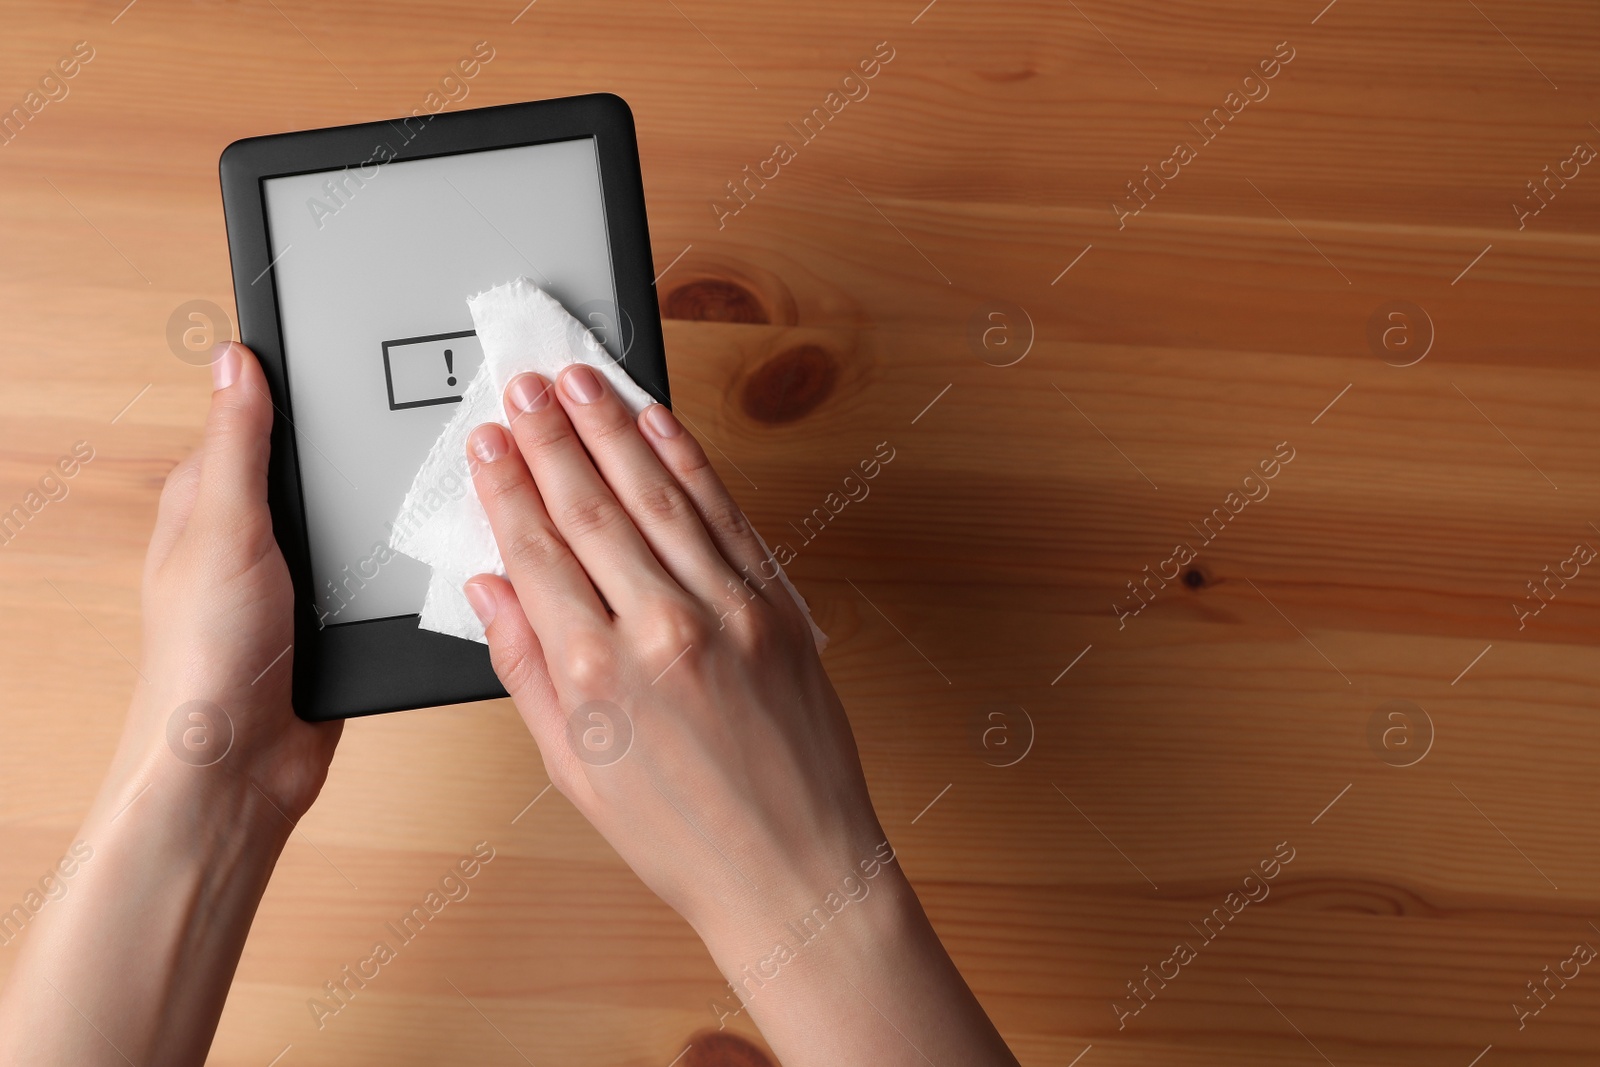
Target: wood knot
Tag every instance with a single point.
(715, 300)
(712, 1048)
(790, 385)
(1016, 75)
(1194, 578)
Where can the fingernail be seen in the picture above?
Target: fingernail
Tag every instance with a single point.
(488, 442)
(482, 601)
(662, 421)
(225, 365)
(528, 392)
(582, 384)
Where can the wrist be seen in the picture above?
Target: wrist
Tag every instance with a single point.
(181, 771)
(227, 744)
(847, 911)
(872, 966)
(179, 841)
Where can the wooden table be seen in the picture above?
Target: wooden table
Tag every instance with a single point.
(1336, 268)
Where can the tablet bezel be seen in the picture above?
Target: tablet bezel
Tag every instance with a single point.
(381, 665)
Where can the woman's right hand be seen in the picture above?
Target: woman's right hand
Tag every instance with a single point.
(679, 702)
(670, 679)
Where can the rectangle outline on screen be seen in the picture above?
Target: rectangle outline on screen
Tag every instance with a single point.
(388, 378)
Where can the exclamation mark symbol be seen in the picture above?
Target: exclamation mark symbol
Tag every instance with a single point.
(450, 367)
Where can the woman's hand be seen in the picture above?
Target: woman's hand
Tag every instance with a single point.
(218, 628)
(678, 700)
(133, 962)
(669, 677)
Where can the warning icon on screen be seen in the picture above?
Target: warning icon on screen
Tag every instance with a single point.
(420, 371)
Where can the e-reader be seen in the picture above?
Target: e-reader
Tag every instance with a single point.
(354, 251)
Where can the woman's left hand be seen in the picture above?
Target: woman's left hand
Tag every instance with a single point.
(218, 613)
(132, 963)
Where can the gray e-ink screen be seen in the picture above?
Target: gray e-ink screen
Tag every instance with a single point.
(374, 266)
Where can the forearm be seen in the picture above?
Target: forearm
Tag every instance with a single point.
(870, 983)
(134, 962)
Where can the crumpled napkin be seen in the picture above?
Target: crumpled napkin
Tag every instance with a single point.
(441, 522)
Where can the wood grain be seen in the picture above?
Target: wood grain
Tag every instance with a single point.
(826, 317)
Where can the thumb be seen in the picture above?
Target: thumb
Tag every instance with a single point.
(516, 653)
(238, 436)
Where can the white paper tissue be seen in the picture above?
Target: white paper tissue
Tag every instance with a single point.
(441, 523)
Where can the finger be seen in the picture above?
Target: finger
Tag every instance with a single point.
(598, 530)
(238, 437)
(555, 593)
(722, 517)
(515, 651)
(178, 495)
(653, 498)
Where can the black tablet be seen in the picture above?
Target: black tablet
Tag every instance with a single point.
(354, 251)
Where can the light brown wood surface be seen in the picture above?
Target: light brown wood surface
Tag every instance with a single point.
(1174, 355)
